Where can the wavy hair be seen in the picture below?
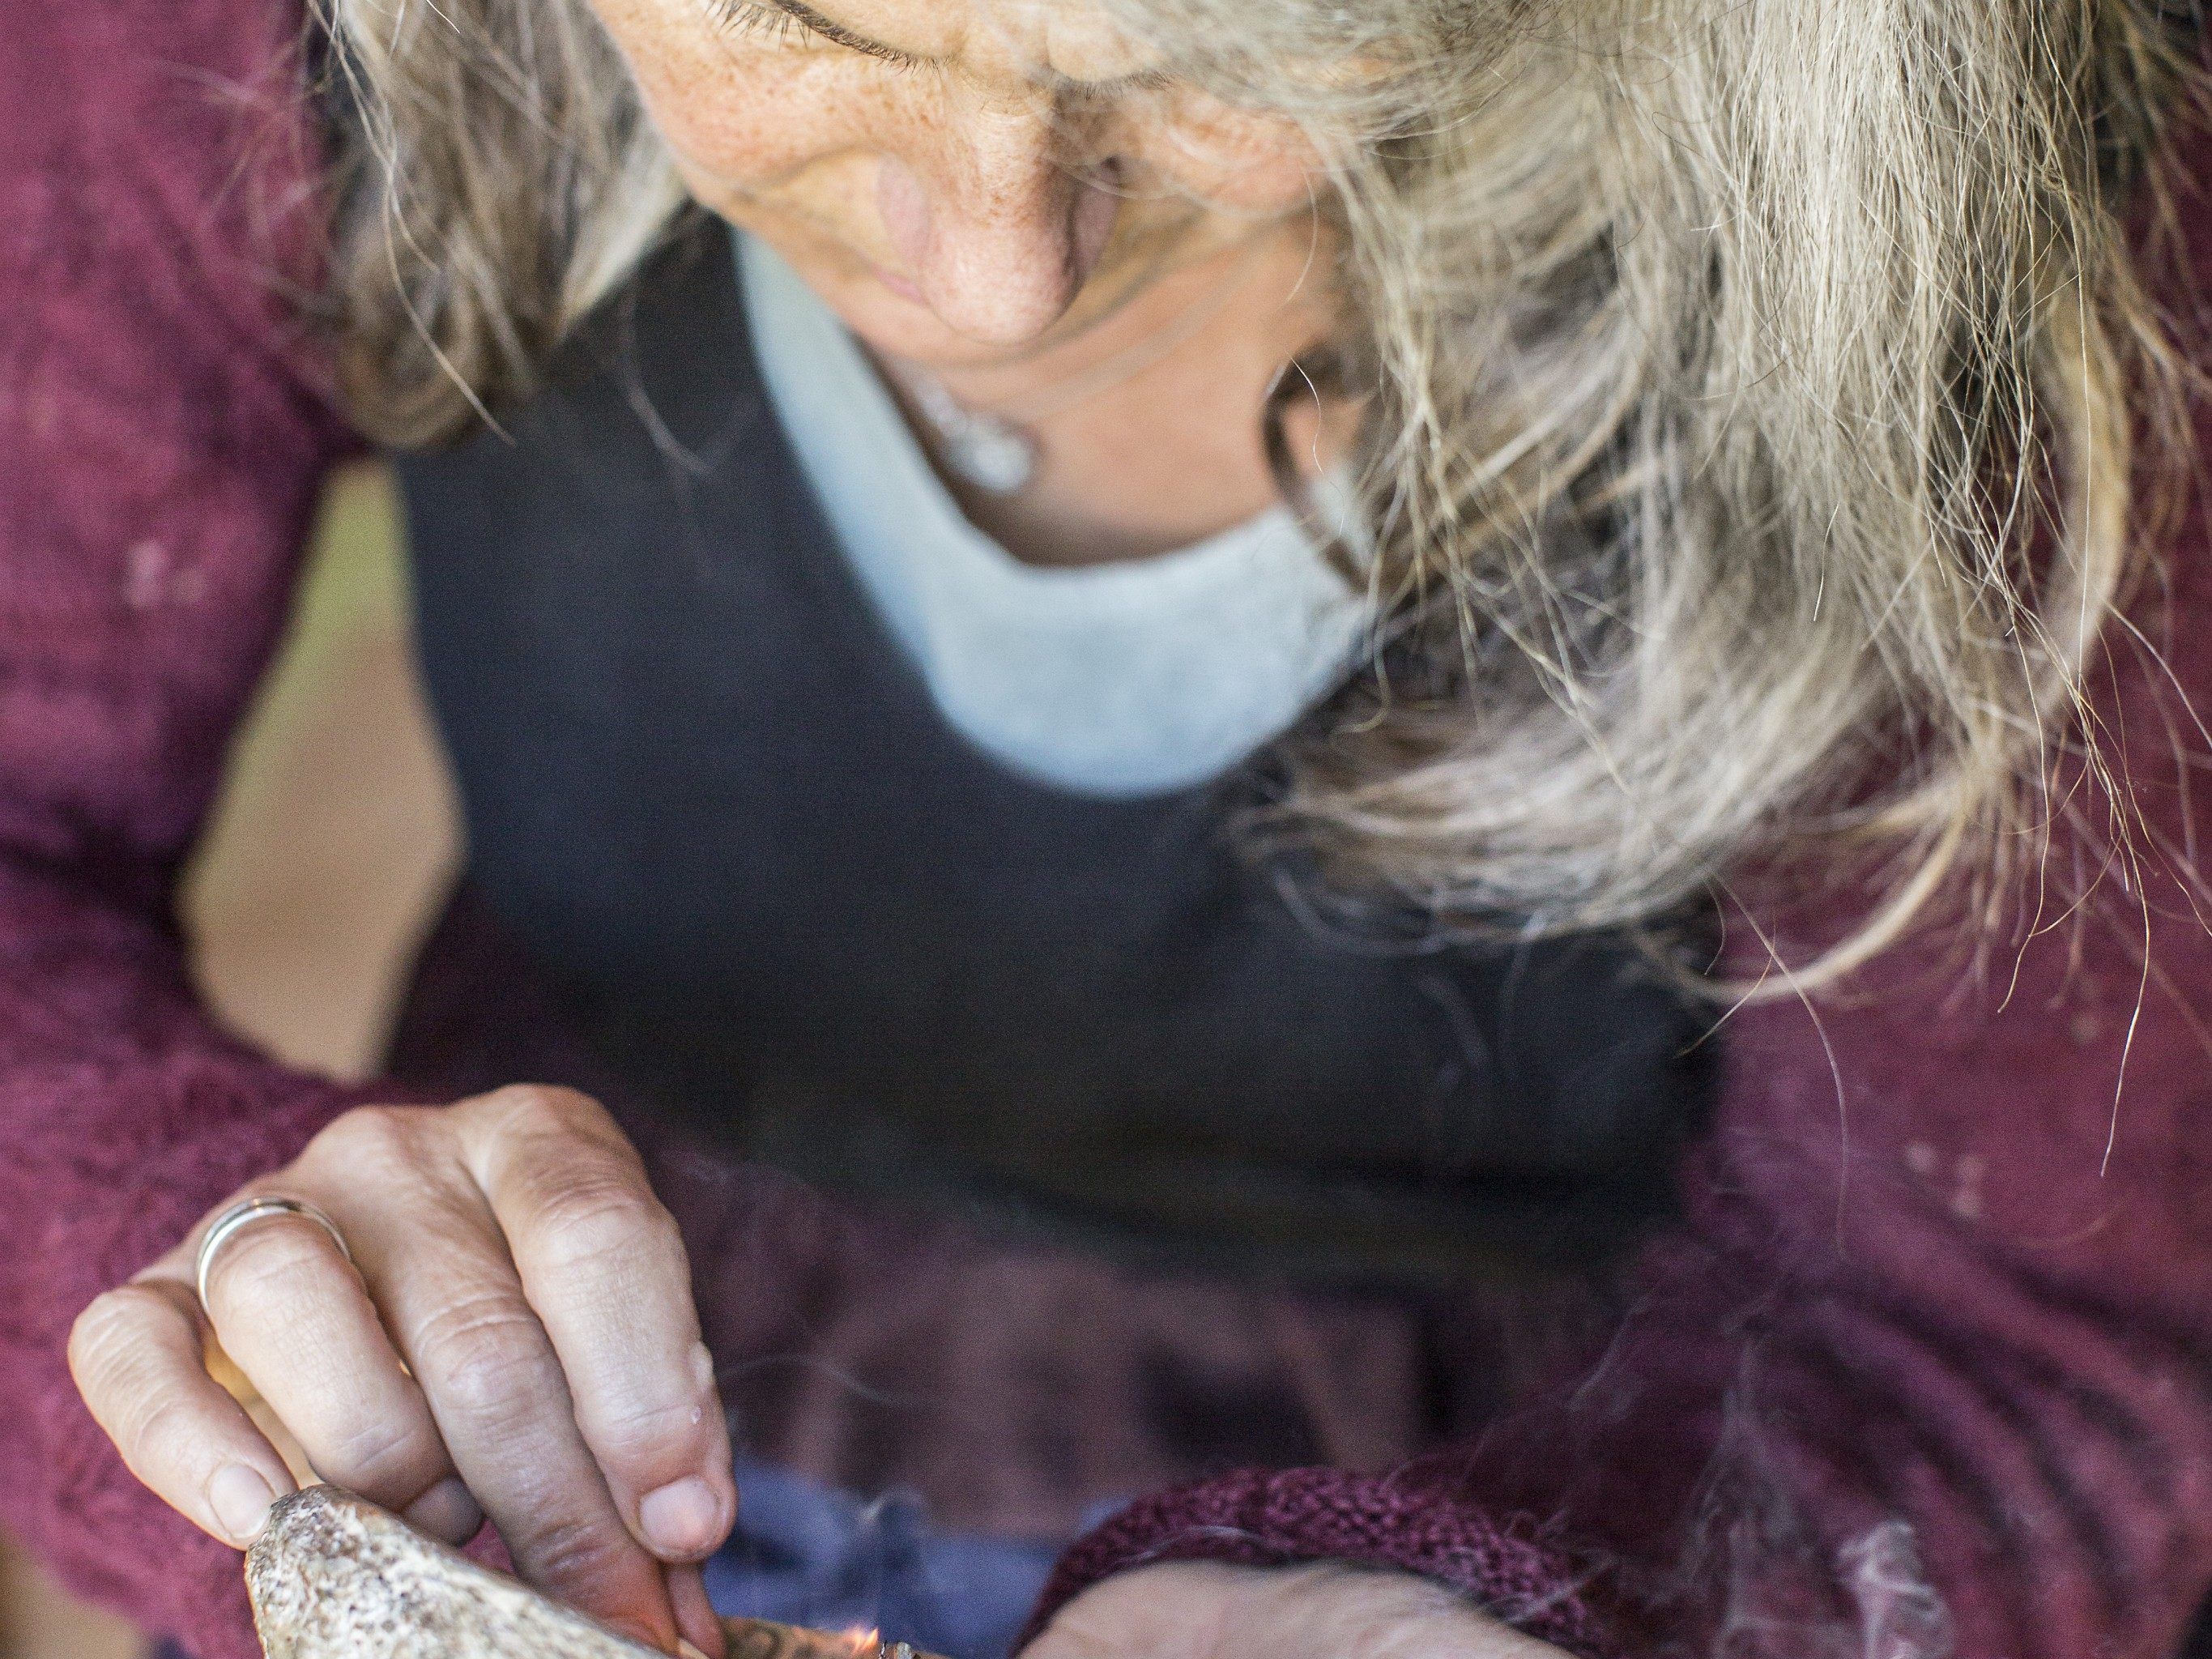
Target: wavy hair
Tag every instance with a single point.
(1758, 397)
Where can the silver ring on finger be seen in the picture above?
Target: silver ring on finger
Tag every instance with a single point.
(243, 1214)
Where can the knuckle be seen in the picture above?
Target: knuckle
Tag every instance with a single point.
(482, 1355)
(580, 1550)
(537, 1108)
(586, 1220)
(381, 1455)
(643, 1435)
(270, 1265)
(169, 1431)
(111, 1324)
(376, 1134)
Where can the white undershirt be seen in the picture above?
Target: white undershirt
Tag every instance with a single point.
(1119, 680)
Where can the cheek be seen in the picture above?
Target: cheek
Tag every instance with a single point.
(733, 112)
(1229, 158)
(748, 129)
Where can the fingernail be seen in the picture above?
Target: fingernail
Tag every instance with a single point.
(680, 1518)
(241, 1499)
(447, 1511)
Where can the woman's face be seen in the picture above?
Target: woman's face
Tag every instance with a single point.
(966, 182)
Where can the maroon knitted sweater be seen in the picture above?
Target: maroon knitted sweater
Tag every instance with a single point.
(1930, 1359)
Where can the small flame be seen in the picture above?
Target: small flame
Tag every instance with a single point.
(865, 1640)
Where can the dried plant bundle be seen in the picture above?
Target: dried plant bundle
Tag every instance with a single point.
(334, 1576)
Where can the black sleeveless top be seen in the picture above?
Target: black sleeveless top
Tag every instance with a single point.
(803, 914)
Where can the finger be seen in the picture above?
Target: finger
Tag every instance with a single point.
(696, 1619)
(604, 1265)
(457, 1312)
(294, 1316)
(135, 1355)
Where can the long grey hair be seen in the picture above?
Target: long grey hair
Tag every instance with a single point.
(1759, 394)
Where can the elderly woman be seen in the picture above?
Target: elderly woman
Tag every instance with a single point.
(1135, 682)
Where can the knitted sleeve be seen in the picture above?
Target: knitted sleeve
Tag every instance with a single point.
(162, 443)
(1926, 1368)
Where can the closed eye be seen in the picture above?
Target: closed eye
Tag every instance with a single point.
(785, 26)
(792, 20)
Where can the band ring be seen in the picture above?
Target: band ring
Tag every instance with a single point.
(245, 1214)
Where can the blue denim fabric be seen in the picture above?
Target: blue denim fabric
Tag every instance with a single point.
(807, 1554)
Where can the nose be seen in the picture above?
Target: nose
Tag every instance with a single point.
(1000, 229)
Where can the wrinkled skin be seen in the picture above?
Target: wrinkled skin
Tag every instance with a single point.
(1025, 212)
(1211, 1610)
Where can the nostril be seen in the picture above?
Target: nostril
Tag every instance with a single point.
(1097, 207)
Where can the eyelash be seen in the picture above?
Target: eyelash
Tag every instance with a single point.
(780, 28)
(749, 17)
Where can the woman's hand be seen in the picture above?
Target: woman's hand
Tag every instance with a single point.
(516, 1332)
(1209, 1610)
